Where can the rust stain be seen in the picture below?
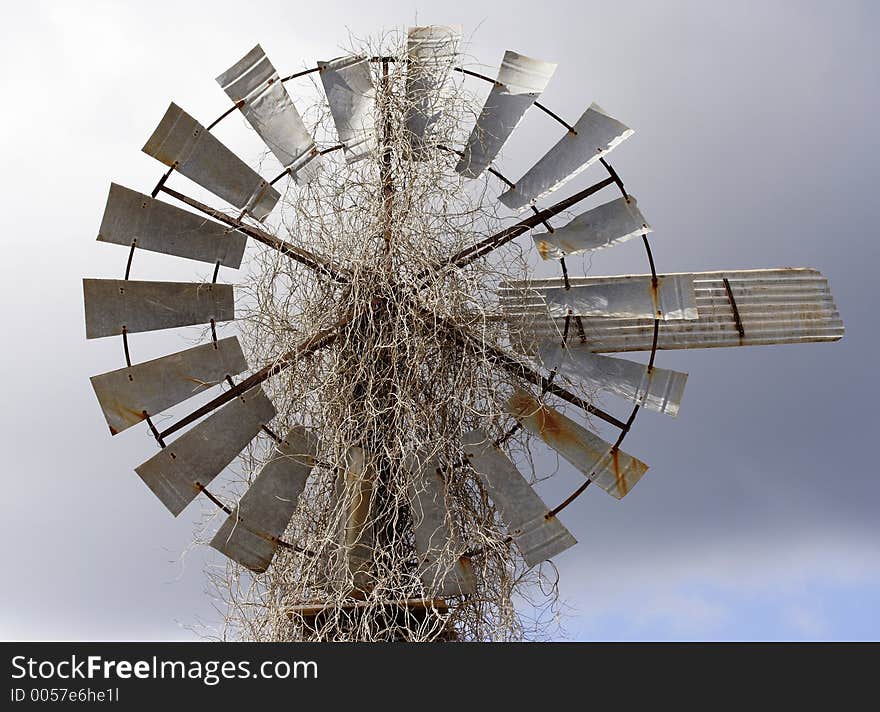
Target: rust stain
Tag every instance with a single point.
(551, 425)
(129, 415)
(655, 296)
(543, 248)
(619, 476)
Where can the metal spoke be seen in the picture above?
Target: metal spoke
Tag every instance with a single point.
(493, 242)
(305, 257)
(315, 342)
(463, 336)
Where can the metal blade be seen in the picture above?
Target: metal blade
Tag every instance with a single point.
(128, 395)
(442, 570)
(775, 306)
(613, 470)
(603, 226)
(431, 53)
(597, 134)
(161, 227)
(351, 95)
(182, 142)
(520, 82)
(264, 511)
(629, 295)
(114, 304)
(537, 536)
(255, 87)
(200, 454)
(658, 389)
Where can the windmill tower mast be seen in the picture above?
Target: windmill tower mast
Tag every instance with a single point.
(376, 539)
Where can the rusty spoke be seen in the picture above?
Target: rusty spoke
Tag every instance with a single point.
(463, 336)
(499, 239)
(305, 257)
(317, 341)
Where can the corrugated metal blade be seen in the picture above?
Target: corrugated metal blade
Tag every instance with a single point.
(431, 54)
(776, 306)
(202, 452)
(254, 85)
(111, 304)
(520, 82)
(660, 389)
(264, 511)
(434, 538)
(630, 296)
(128, 395)
(161, 227)
(537, 536)
(182, 142)
(351, 95)
(597, 134)
(603, 226)
(612, 470)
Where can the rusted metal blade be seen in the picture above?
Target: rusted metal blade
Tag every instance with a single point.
(520, 82)
(775, 306)
(128, 395)
(431, 53)
(184, 144)
(256, 89)
(595, 135)
(112, 305)
(670, 297)
(658, 389)
(612, 469)
(132, 217)
(537, 535)
(442, 569)
(175, 473)
(603, 226)
(250, 534)
(351, 95)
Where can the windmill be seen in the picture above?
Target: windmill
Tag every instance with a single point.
(396, 364)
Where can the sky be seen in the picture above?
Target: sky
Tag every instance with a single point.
(755, 146)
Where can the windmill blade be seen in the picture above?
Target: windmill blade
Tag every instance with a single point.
(613, 470)
(431, 53)
(672, 297)
(773, 306)
(434, 538)
(351, 96)
(603, 226)
(520, 82)
(114, 305)
(132, 217)
(182, 143)
(201, 453)
(657, 389)
(249, 535)
(255, 87)
(537, 535)
(595, 135)
(128, 395)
